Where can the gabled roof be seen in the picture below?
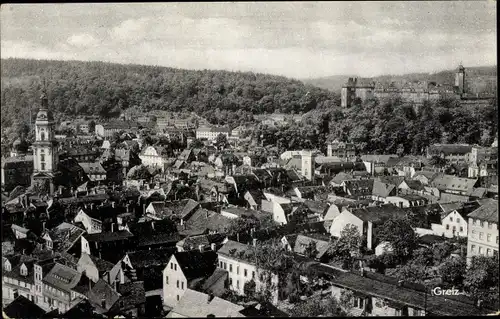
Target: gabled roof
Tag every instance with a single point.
(194, 304)
(382, 189)
(65, 236)
(109, 236)
(303, 241)
(378, 214)
(62, 277)
(414, 184)
(488, 211)
(132, 294)
(22, 307)
(340, 177)
(152, 257)
(450, 182)
(103, 291)
(189, 206)
(195, 264)
(206, 219)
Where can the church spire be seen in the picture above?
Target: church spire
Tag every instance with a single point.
(44, 102)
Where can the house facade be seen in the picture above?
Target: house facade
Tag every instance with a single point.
(482, 239)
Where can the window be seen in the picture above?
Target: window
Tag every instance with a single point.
(488, 237)
(42, 166)
(473, 234)
(182, 285)
(175, 267)
(488, 252)
(451, 219)
(447, 227)
(474, 222)
(473, 248)
(253, 272)
(497, 239)
(177, 283)
(230, 281)
(237, 284)
(177, 297)
(42, 157)
(220, 264)
(461, 229)
(42, 136)
(480, 250)
(245, 272)
(454, 228)
(480, 235)
(490, 225)
(482, 224)
(166, 280)
(237, 270)
(230, 268)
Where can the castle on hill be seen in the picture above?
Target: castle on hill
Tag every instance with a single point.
(464, 89)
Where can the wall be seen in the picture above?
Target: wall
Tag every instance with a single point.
(172, 294)
(478, 236)
(454, 219)
(85, 264)
(344, 219)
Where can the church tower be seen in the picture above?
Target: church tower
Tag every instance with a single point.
(45, 156)
(307, 168)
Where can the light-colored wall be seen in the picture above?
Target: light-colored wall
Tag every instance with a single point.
(345, 218)
(236, 275)
(85, 264)
(454, 219)
(477, 238)
(172, 294)
(332, 212)
(279, 214)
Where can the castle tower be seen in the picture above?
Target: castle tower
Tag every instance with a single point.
(460, 79)
(45, 155)
(307, 168)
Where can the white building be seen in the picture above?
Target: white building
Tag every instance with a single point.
(154, 156)
(235, 258)
(211, 133)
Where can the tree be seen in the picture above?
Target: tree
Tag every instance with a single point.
(453, 271)
(314, 307)
(399, 233)
(139, 172)
(482, 276)
(196, 143)
(347, 247)
(241, 225)
(221, 141)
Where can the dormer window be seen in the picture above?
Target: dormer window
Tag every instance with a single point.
(24, 270)
(7, 266)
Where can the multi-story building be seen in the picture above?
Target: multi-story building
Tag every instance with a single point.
(482, 239)
(237, 259)
(154, 156)
(354, 89)
(183, 271)
(454, 153)
(17, 171)
(341, 149)
(94, 171)
(211, 133)
(106, 130)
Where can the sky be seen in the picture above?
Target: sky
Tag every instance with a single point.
(294, 39)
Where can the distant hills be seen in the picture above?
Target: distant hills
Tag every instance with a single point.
(334, 83)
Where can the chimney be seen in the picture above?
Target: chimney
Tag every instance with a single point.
(238, 237)
(212, 246)
(182, 222)
(206, 213)
(200, 248)
(153, 225)
(112, 227)
(43, 226)
(254, 242)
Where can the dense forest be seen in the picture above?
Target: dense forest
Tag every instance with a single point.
(389, 127)
(105, 89)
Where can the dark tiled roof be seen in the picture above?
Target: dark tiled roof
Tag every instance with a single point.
(153, 257)
(22, 307)
(196, 264)
(65, 236)
(62, 277)
(488, 211)
(450, 149)
(377, 214)
(214, 278)
(382, 189)
(102, 290)
(132, 295)
(109, 236)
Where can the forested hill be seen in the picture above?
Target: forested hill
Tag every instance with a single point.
(105, 89)
(335, 83)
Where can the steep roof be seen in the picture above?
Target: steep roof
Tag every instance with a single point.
(152, 257)
(22, 307)
(196, 264)
(62, 277)
(382, 189)
(450, 182)
(64, 236)
(196, 304)
(103, 291)
(378, 214)
(488, 211)
(303, 241)
(109, 236)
